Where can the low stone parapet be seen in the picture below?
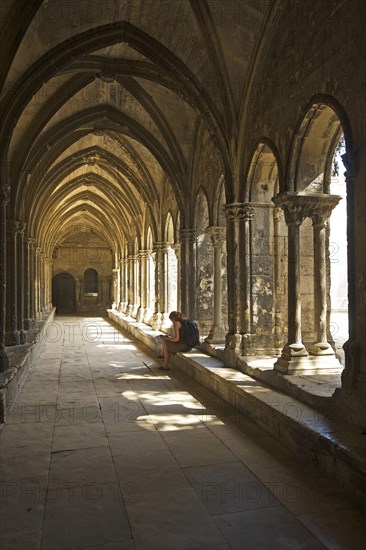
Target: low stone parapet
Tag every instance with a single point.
(21, 358)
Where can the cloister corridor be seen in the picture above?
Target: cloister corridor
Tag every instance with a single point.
(102, 450)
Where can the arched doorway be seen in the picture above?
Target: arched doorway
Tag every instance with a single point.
(64, 293)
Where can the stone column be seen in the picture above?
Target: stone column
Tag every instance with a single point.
(43, 283)
(22, 274)
(188, 240)
(123, 293)
(176, 248)
(115, 297)
(217, 332)
(37, 282)
(12, 337)
(130, 283)
(160, 316)
(136, 285)
(32, 284)
(278, 278)
(48, 282)
(4, 200)
(150, 289)
(294, 350)
(320, 213)
(350, 399)
(142, 256)
(238, 218)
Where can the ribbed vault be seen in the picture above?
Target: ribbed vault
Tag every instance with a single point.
(102, 108)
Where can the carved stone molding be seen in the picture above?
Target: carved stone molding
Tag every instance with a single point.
(239, 211)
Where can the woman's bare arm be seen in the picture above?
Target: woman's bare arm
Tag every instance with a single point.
(175, 337)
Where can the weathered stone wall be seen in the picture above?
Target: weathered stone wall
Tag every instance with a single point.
(309, 53)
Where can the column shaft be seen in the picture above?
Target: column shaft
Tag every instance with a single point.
(4, 199)
(12, 337)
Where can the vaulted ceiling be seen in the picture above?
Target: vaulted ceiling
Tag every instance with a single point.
(102, 101)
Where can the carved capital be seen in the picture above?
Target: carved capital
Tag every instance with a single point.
(161, 246)
(189, 235)
(239, 211)
(4, 195)
(278, 214)
(217, 234)
(143, 254)
(321, 210)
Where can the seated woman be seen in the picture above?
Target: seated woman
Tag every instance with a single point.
(185, 337)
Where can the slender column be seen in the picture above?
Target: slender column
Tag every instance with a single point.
(115, 297)
(136, 285)
(217, 332)
(150, 285)
(4, 200)
(21, 282)
(32, 284)
(48, 283)
(278, 279)
(42, 283)
(142, 256)
(27, 283)
(177, 251)
(37, 282)
(294, 350)
(238, 218)
(160, 314)
(188, 239)
(320, 214)
(12, 337)
(131, 283)
(123, 294)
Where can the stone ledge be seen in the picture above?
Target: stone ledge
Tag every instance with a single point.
(140, 331)
(21, 358)
(337, 447)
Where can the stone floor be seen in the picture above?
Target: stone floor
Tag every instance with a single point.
(104, 451)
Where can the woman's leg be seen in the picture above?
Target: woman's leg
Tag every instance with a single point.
(166, 354)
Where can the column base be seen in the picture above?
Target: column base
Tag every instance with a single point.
(12, 338)
(216, 335)
(156, 321)
(148, 316)
(22, 337)
(29, 324)
(296, 360)
(4, 361)
(140, 314)
(134, 310)
(321, 348)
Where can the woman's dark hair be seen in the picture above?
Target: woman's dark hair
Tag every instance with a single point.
(176, 316)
